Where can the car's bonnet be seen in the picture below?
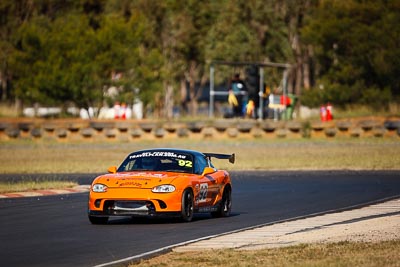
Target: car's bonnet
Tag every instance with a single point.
(138, 179)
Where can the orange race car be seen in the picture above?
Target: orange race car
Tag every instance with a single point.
(162, 181)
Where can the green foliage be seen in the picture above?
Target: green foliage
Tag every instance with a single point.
(306, 129)
(342, 95)
(376, 98)
(59, 52)
(54, 62)
(58, 62)
(312, 98)
(356, 44)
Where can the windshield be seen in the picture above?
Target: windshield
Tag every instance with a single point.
(158, 161)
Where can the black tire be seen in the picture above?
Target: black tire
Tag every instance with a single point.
(225, 207)
(187, 205)
(98, 220)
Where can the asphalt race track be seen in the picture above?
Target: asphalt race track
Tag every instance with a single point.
(55, 231)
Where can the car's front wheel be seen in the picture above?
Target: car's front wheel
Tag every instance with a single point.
(98, 220)
(187, 205)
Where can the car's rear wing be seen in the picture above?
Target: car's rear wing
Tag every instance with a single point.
(230, 157)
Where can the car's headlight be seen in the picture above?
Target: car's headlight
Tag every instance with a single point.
(99, 188)
(165, 188)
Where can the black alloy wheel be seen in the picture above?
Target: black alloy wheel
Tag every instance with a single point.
(225, 206)
(187, 205)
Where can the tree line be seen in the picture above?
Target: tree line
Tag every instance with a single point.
(62, 52)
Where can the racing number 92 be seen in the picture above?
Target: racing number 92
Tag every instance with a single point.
(185, 163)
(203, 192)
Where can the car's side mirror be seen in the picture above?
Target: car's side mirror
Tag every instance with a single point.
(112, 169)
(208, 170)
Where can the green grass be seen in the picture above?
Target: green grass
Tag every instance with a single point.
(334, 254)
(8, 111)
(33, 185)
(356, 111)
(287, 154)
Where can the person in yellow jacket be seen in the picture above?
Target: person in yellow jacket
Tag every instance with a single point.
(250, 109)
(237, 96)
(232, 100)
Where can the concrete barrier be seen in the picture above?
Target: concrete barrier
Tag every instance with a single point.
(65, 130)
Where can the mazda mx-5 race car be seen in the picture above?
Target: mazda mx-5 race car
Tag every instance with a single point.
(160, 181)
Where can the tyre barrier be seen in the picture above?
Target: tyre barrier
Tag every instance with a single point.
(132, 130)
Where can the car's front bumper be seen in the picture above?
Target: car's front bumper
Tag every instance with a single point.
(133, 201)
